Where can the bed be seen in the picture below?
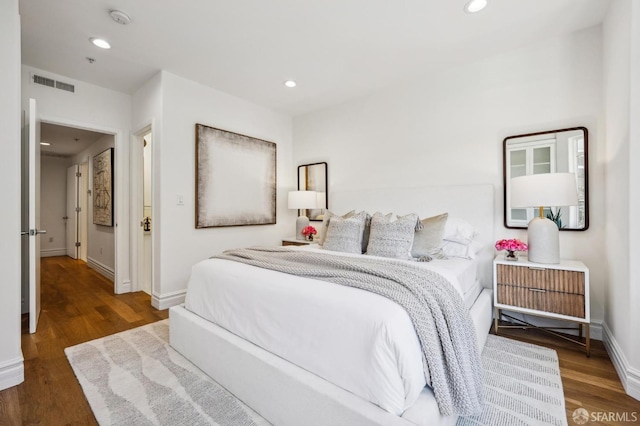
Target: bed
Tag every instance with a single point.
(281, 353)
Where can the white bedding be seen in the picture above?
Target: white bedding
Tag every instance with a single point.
(357, 340)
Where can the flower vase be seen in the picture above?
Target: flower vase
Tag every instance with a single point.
(511, 255)
(310, 237)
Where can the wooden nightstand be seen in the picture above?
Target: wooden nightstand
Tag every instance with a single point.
(295, 242)
(552, 291)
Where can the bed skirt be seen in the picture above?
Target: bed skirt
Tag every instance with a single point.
(286, 394)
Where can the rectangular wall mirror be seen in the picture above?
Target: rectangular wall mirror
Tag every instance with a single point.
(553, 151)
(313, 177)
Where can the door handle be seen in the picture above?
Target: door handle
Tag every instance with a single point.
(24, 232)
(33, 232)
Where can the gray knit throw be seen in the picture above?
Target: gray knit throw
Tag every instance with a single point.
(442, 322)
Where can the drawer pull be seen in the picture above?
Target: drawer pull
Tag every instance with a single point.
(538, 290)
(536, 268)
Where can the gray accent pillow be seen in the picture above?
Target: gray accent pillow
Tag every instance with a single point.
(392, 239)
(428, 241)
(367, 230)
(345, 235)
(325, 223)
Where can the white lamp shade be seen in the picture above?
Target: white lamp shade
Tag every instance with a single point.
(303, 200)
(547, 189)
(321, 200)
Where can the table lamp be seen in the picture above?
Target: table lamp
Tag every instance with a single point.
(302, 200)
(544, 190)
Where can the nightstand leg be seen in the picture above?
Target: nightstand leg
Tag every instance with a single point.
(580, 330)
(588, 341)
(496, 319)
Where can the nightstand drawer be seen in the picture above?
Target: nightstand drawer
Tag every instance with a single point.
(555, 280)
(569, 304)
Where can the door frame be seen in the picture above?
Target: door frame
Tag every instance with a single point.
(137, 210)
(122, 280)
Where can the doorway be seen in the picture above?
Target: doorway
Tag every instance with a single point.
(67, 154)
(142, 157)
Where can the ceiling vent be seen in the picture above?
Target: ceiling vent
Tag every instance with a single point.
(49, 82)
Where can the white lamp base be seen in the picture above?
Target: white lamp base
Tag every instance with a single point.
(543, 241)
(301, 223)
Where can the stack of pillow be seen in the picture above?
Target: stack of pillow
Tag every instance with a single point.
(405, 237)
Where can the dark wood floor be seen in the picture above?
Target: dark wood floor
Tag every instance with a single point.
(78, 305)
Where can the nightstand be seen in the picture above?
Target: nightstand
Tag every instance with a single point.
(295, 242)
(551, 291)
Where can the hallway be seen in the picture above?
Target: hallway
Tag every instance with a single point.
(78, 305)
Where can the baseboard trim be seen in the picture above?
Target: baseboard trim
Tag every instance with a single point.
(167, 300)
(53, 252)
(629, 376)
(11, 373)
(101, 268)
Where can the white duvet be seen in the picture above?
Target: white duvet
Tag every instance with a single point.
(355, 339)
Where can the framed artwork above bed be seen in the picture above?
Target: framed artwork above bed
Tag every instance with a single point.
(235, 179)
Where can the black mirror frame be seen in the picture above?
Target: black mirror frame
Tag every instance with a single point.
(586, 175)
(326, 184)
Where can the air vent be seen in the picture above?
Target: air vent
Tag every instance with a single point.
(38, 79)
(49, 82)
(65, 86)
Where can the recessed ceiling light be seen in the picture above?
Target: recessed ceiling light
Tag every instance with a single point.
(45, 143)
(290, 83)
(103, 44)
(474, 6)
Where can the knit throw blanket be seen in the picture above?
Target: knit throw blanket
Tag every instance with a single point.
(442, 322)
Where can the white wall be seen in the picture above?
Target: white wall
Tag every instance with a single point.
(621, 43)
(176, 105)
(101, 110)
(100, 239)
(11, 363)
(53, 205)
(448, 128)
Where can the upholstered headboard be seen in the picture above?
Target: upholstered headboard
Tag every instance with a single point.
(473, 203)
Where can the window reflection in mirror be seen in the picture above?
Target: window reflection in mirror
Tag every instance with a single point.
(553, 151)
(313, 177)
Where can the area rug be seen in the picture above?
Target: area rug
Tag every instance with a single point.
(522, 385)
(136, 378)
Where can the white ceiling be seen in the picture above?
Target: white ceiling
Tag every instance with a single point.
(335, 49)
(66, 141)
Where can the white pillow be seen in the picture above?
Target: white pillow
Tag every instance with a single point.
(459, 231)
(463, 251)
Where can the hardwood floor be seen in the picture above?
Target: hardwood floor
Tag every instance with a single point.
(78, 305)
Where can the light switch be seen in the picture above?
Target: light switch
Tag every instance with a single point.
(180, 200)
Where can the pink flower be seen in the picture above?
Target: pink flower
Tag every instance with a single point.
(511, 245)
(309, 230)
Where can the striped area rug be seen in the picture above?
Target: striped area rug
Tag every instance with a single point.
(136, 378)
(522, 386)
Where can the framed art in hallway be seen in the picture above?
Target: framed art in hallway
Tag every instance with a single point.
(103, 188)
(235, 179)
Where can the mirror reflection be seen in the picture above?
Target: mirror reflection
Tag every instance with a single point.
(313, 177)
(552, 151)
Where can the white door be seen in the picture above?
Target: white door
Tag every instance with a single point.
(83, 187)
(72, 211)
(32, 163)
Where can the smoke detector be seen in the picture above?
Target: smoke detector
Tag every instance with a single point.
(120, 17)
